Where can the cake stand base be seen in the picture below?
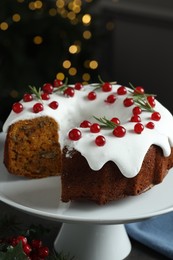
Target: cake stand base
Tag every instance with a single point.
(93, 242)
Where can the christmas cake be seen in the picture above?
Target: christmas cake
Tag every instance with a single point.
(105, 140)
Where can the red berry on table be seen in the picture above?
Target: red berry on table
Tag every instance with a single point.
(100, 140)
(151, 101)
(43, 251)
(85, 124)
(111, 99)
(17, 107)
(36, 243)
(92, 95)
(122, 90)
(54, 105)
(48, 88)
(137, 110)
(75, 134)
(95, 128)
(106, 87)
(139, 90)
(78, 86)
(150, 125)
(23, 239)
(115, 120)
(138, 128)
(155, 116)
(128, 102)
(14, 242)
(135, 118)
(57, 83)
(27, 97)
(45, 96)
(27, 249)
(119, 131)
(69, 92)
(38, 107)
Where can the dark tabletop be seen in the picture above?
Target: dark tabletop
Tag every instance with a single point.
(138, 251)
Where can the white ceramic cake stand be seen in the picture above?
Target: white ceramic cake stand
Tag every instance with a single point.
(89, 231)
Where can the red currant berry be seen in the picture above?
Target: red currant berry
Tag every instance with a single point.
(27, 97)
(34, 256)
(14, 242)
(111, 99)
(115, 120)
(150, 125)
(151, 101)
(27, 249)
(100, 140)
(38, 107)
(45, 96)
(106, 87)
(155, 116)
(54, 105)
(119, 131)
(22, 239)
(128, 102)
(75, 134)
(57, 83)
(78, 86)
(92, 95)
(48, 88)
(95, 128)
(43, 251)
(85, 124)
(17, 107)
(135, 118)
(137, 110)
(69, 92)
(36, 243)
(139, 90)
(138, 128)
(122, 90)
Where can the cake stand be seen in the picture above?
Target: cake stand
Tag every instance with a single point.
(89, 231)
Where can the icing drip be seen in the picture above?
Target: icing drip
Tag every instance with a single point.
(127, 152)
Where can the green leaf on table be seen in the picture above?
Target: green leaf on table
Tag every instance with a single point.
(15, 253)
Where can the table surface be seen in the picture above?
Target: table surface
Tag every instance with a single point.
(138, 251)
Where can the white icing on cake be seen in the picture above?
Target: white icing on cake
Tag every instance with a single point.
(126, 152)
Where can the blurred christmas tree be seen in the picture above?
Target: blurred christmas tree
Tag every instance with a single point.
(41, 40)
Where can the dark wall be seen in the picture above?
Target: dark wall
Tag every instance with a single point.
(142, 47)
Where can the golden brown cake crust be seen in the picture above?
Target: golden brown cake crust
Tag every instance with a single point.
(109, 184)
(32, 148)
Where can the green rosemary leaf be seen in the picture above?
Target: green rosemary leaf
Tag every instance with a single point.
(63, 87)
(100, 79)
(131, 85)
(36, 92)
(14, 253)
(105, 122)
(141, 99)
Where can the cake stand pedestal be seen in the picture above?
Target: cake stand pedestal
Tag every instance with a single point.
(93, 242)
(89, 231)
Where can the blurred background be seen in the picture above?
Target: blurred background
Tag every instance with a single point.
(121, 40)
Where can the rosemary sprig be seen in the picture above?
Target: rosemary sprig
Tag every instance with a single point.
(63, 87)
(100, 79)
(141, 99)
(143, 103)
(105, 122)
(99, 85)
(140, 95)
(36, 92)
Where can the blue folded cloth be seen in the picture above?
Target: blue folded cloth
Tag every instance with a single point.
(156, 233)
